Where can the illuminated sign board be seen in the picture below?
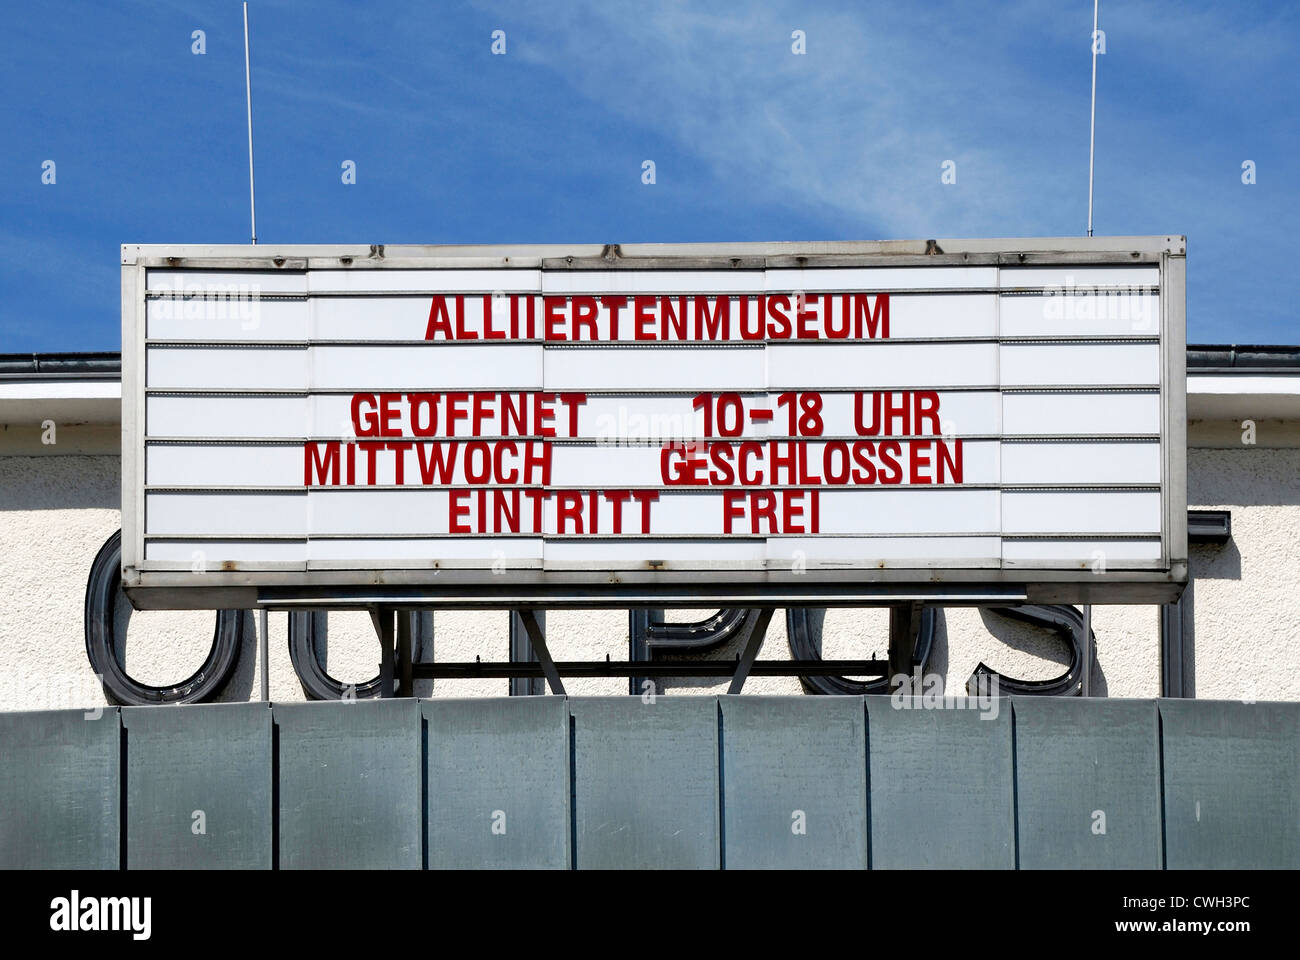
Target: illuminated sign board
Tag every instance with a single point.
(687, 423)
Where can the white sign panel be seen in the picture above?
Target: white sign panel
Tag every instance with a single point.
(433, 423)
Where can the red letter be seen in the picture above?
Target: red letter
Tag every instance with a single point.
(458, 510)
(876, 319)
(532, 461)
(668, 316)
(645, 498)
(859, 423)
(455, 411)
(399, 460)
(613, 305)
(481, 411)
(920, 457)
(806, 311)
(440, 464)
(387, 414)
(890, 471)
(552, 320)
(329, 462)
(778, 310)
(490, 332)
(364, 425)
(418, 400)
(642, 318)
(790, 511)
(948, 462)
(439, 322)
(717, 327)
(461, 332)
(568, 506)
(618, 498)
(543, 414)
(926, 406)
(763, 506)
(572, 401)
(585, 311)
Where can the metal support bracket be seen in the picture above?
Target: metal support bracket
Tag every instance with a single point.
(405, 681)
(521, 651)
(904, 619)
(538, 640)
(757, 632)
(382, 618)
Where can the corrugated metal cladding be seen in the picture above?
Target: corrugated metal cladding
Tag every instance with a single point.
(550, 782)
(1039, 389)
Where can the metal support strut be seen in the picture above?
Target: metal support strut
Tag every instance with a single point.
(538, 640)
(904, 619)
(757, 630)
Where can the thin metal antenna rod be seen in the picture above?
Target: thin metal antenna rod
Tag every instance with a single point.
(252, 202)
(1092, 129)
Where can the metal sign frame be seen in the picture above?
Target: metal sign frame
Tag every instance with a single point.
(252, 584)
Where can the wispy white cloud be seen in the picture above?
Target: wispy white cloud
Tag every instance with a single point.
(856, 129)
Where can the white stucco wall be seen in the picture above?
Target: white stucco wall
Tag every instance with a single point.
(56, 510)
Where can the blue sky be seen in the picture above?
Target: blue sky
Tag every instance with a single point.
(545, 144)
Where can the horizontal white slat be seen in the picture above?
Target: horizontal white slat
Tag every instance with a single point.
(835, 465)
(821, 315)
(861, 511)
(434, 367)
(507, 552)
(371, 318)
(1072, 414)
(1092, 554)
(222, 417)
(832, 552)
(252, 319)
(210, 554)
(521, 552)
(666, 554)
(1094, 315)
(881, 510)
(652, 281)
(420, 281)
(674, 417)
(190, 465)
(882, 278)
(716, 462)
(226, 368)
(225, 514)
(224, 281)
(613, 417)
(650, 368)
(882, 365)
(952, 315)
(1116, 512)
(724, 463)
(1067, 278)
(1082, 463)
(1079, 364)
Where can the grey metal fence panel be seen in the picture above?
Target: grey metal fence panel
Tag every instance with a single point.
(1232, 784)
(59, 789)
(376, 784)
(498, 782)
(198, 786)
(1087, 783)
(794, 782)
(645, 782)
(349, 784)
(940, 785)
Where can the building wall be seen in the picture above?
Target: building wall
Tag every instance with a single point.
(58, 505)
